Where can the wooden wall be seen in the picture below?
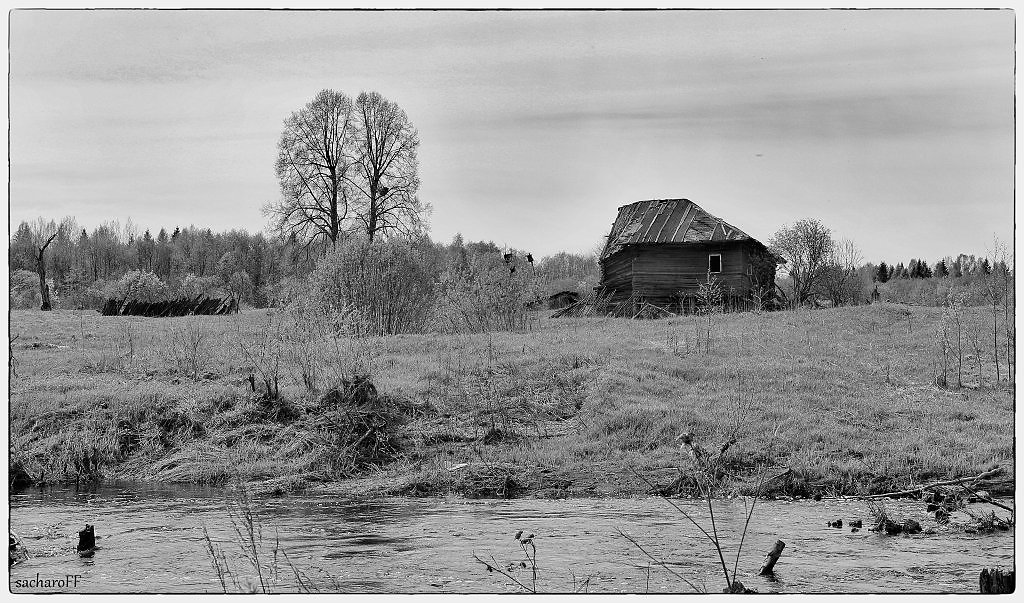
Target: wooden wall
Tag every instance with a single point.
(661, 272)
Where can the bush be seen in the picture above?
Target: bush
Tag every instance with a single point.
(193, 286)
(933, 291)
(141, 285)
(24, 290)
(385, 283)
(98, 292)
(485, 295)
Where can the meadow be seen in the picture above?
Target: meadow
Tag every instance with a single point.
(841, 400)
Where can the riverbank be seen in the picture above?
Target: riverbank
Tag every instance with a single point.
(844, 399)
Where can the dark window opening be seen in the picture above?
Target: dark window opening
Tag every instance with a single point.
(715, 263)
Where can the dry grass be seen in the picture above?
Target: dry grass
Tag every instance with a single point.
(564, 409)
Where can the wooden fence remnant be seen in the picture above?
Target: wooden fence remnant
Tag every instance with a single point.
(201, 304)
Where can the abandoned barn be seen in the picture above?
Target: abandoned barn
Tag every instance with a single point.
(660, 251)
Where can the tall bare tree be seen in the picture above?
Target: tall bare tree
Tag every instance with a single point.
(43, 233)
(840, 279)
(311, 168)
(386, 173)
(806, 246)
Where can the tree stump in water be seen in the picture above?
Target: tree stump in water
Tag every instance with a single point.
(87, 541)
(771, 558)
(996, 582)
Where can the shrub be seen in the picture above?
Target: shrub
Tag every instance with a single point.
(24, 289)
(193, 286)
(386, 283)
(141, 285)
(933, 291)
(98, 292)
(485, 295)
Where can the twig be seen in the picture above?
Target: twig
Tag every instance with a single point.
(656, 561)
(675, 506)
(746, 524)
(495, 567)
(213, 557)
(718, 547)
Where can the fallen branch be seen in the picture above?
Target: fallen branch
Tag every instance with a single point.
(952, 482)
(987, 499)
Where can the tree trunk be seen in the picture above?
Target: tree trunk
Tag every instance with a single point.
(44, 289)
(371, 219)
(334, 209)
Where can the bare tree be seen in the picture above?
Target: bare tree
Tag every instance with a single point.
(840, 279)
(998, 287)
(311, 167)
(43, 233)
(806, 246)
(386, 174)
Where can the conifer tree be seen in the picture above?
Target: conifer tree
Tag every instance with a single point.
(882, 275)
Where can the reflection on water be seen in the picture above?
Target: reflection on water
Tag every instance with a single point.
(151, 540)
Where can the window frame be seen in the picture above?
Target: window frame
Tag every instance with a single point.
(719, 256)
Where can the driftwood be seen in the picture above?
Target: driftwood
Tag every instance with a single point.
(771, 558)
(952, 482)
(996, 582)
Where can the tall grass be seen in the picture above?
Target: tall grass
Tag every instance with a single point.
(566, 408)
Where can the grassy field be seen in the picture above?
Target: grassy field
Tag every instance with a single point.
(844, 398)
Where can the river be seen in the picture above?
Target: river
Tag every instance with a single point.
(151, 539)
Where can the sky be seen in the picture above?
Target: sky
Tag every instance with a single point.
(894, 128)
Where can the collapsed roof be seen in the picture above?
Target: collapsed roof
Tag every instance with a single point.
(668, 221)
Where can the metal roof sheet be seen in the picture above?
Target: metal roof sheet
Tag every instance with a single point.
(668, 221)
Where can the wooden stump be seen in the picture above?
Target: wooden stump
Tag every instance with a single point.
(996, 581)
(87, 541)
(771, 558)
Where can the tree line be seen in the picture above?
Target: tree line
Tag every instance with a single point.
(82, 268)
(961, 266)
(818, 267)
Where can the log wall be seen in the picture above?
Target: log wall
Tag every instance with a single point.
(664, 273)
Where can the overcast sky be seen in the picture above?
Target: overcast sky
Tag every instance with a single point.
(894, 128)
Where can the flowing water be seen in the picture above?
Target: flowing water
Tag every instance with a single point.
(151, 539)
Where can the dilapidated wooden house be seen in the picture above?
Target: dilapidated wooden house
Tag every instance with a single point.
(660, 251)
